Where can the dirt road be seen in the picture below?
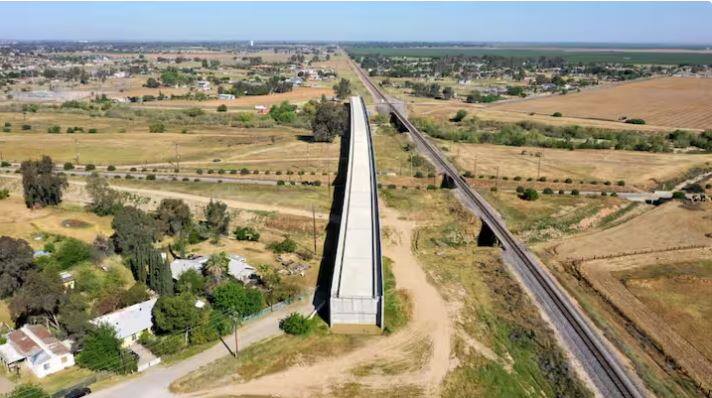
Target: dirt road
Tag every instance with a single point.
(157, 195)
(430, 322)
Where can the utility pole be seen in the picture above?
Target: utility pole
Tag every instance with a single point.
(538, 167)
(177, 157)
(314, 227)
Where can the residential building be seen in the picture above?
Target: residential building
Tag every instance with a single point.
(238, 267)
(67, 280)
(36, 348)
(226, 97)
(203, 85)
(129, 322)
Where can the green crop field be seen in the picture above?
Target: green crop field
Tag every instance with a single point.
(580, 56)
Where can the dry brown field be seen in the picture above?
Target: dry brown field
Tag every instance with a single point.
(669, 102)
(639, 169)
(17, 221)
(670, 225)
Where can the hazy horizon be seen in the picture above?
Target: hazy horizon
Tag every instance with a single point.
(649, 23)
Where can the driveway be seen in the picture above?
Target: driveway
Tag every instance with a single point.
(154, 382)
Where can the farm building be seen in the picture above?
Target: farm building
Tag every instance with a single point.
(33, 345)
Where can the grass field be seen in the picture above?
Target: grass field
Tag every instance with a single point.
(18, 221)
(678, 293)
(571, 55)
(672, 102)
(638, 169)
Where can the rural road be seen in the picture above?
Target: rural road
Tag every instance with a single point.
(154, 382)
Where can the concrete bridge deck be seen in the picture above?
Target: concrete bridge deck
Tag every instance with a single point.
(357, 286)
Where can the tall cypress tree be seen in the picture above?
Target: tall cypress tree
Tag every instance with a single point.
(160, 279)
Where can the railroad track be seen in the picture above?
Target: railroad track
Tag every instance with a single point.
(601, 365)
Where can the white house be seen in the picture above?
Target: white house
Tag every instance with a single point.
(226, 97)
(237, 267)
(129, 322)
(34, 345)
(203, 85)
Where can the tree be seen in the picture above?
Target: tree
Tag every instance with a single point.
(530, 194)
(40, 185)
(27, 391)
(448, 93)
(284, 113)
(222, 108)
(459, 116)
(217, 218)
(38, 299)
(190, 281)
(285, 246)
(173, 314)
(134, 234)
(152, 83)
(73, 316)
(217, 265)
(330, 119)
(271, 280)
(103, 351)
(104, 200)
(156, 127)
(235, 298)
(296, 324)
(247, 233)
(15, 263)
(342, 88)
(137, 293)
(160, 279)
(72, 251)
(173, 216)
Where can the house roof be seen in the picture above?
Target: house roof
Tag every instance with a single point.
(129, 320)
(32, 341)
(237, 267)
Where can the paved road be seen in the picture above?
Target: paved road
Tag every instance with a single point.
(154, 382)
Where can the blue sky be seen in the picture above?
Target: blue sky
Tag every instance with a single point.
(680, 23)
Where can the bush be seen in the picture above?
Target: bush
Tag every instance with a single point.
(27, 391)
(157, 127)
(575, 192)
(110, 167)
(247, 233)
(493, 189)
(199, 171)
(520, 189)
(72, 251)
(4, 193)
(285, 246)
(530, 194)
(568, 181)
(151, 177)
(89, 167)
(68, 166)
(620, 183)
(635, 121)
(296, 324)
(5, 163)
(548, 191)
(431, 187)
(222, 108)
(244, 171)
(26, 127)
(557, 114)
(678, 195)
(54, 129)
(561, 192)
(517, 178)
(419, 174)
(280, 182)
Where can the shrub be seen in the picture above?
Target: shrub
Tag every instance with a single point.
(575, 192)
(529, 194)
(247, 233)
(620, 183)
(285, 246)
(493, 189)
(68, 166)
(606, 183)
(54, 129)
(603, 193)
(4, 193)
(548, 191)
(89, 167)
(151, 177)
(557, 114)
(296, 324)
(431, 187)
(133, 169)
(467, 174)
(635, 121)
(221, 171)
(391, 186)
(222, 108)
(280, 182)
(568, 181)
(110, 167)
(419, 174)
(5, 163)
(244, 171)
(72, 251)
(157, 127)
(93, 131)
(517, 178)
(26, 127)
(199, 171)
(542, 179)
(561, 192)
(678, 195)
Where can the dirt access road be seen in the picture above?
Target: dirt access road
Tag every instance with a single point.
(430, 321)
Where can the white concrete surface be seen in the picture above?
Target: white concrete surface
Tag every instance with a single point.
(356, 292)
